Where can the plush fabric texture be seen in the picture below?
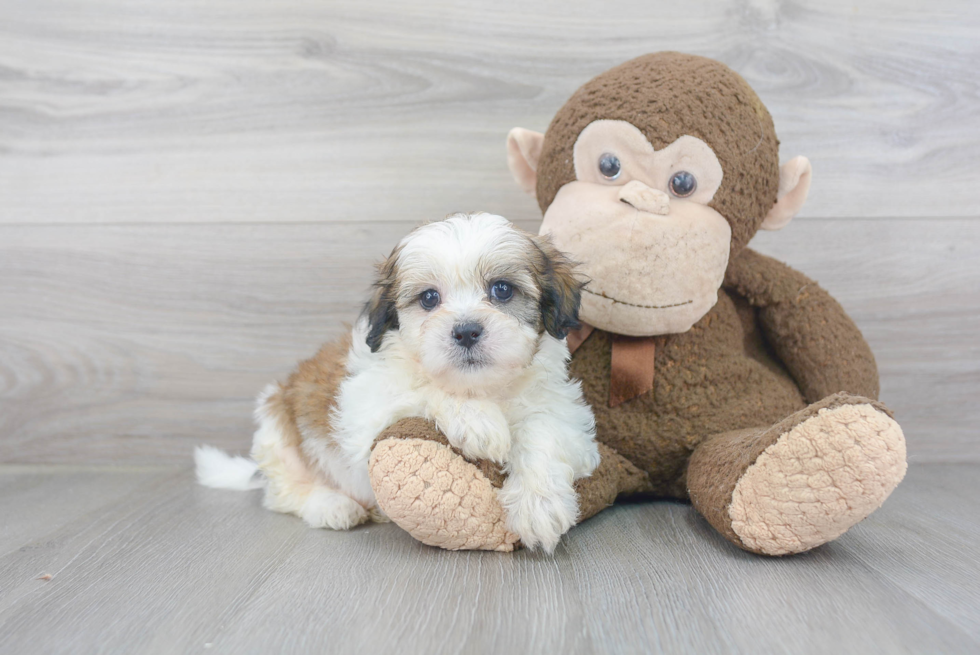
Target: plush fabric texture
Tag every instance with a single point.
(715, 469)
(615, 476)
(718, 465)
(437, 496)
(652, 92)
(420, 428)
(717, 377)
(810, 333)
(818, 480)
(429, 489)
(577, 337)
(633, 367)
(725, 374)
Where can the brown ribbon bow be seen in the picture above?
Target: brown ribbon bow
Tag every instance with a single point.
(632, 363)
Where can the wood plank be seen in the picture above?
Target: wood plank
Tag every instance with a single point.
(32, 507)
(173, 568)
(931, 549)
(304, 110)
(130, 344)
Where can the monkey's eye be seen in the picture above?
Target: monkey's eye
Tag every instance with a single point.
(429, 299)
(683, 184)
(501, 291)
(609, 166)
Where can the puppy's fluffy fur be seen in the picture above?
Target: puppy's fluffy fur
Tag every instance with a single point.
(498, 391)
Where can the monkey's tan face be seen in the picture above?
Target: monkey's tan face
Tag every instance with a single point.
(638, 222)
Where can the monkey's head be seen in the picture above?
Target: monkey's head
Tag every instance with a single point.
(653, 175)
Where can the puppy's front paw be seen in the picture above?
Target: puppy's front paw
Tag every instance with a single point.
(539, 510)
(480, 430)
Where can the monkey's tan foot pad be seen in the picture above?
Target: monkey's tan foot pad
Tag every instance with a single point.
(818, 479)
(437, 496)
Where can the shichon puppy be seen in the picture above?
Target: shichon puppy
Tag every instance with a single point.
(466, 327)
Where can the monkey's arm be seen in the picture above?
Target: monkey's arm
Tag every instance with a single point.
(809, 330)
(420, 428)
(429, 489)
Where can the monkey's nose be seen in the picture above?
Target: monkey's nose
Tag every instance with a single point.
(639, 195)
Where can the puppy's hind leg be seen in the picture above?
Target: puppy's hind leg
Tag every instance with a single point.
(329, 508)
(294, 489)
(292, 486)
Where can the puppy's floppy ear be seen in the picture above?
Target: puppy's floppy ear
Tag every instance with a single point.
(561, 291)
(380, 309)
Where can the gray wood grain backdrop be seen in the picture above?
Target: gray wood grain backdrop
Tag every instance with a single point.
(192, 193)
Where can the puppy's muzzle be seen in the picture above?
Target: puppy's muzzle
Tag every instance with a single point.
(467, 334)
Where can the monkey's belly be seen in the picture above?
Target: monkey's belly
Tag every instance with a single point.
(693, 398)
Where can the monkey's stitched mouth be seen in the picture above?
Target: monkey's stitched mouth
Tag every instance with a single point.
(631, 304)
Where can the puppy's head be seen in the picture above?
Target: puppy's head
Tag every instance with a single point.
(470, 297)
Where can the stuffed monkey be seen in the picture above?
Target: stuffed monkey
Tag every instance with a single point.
(716, 374)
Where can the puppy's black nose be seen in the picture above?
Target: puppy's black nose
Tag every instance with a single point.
(467, 334)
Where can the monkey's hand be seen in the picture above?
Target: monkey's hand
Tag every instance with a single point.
(477, 427)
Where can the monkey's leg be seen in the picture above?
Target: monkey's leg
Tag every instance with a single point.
(802, 482)
(426, 487)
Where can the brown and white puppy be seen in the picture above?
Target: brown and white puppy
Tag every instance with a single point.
(466, 327)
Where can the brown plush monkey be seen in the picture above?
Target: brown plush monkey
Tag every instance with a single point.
(715, 373)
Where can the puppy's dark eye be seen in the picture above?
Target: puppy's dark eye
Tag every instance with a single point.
(683, 184)
(501, 291)
(429, 299)
(609, 166)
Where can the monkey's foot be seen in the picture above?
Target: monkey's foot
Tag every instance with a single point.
(827, 469)
(437, 496)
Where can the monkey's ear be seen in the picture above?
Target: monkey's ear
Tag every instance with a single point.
(380, 309)
(561, 290)
(523, 153)
(794, 185)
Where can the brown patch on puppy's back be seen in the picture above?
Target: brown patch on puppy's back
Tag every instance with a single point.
(310, 394)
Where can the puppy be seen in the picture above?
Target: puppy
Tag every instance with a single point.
(466, 327)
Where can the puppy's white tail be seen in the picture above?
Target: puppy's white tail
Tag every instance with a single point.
(219, 470)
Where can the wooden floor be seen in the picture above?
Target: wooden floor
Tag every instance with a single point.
(144, 561)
